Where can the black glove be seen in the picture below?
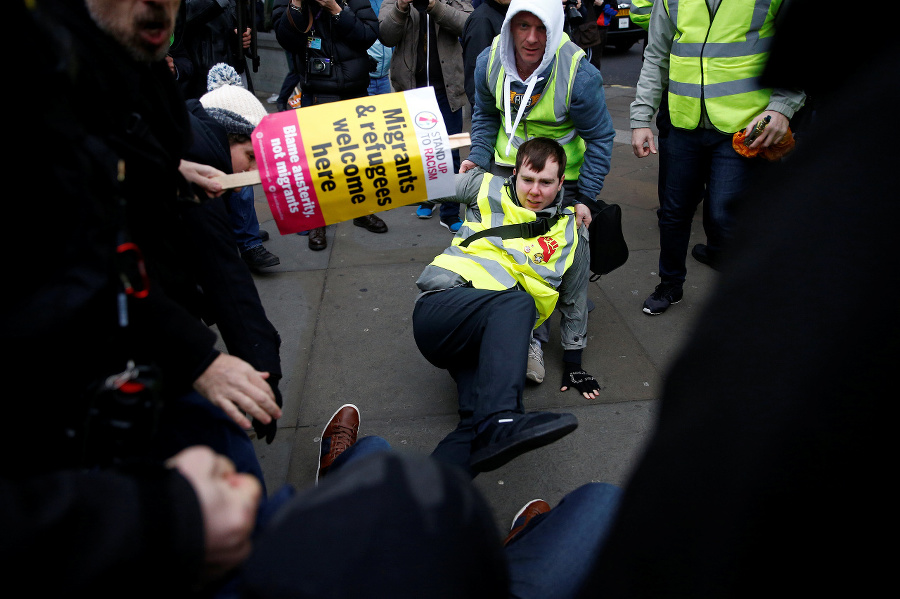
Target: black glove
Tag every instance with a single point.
(267, 431)
(574, 376)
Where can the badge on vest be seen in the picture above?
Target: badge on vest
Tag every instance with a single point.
(516, 98)
(548, 248)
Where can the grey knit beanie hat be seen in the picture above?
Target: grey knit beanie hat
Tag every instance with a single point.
(232, 106)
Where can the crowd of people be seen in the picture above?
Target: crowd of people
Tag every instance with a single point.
(130, 469)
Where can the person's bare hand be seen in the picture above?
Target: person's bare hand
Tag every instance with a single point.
(642, 143)
(466, 165)
(228, 502)
(774, 131)
(403, 5)
(202, 175)
(171, 62)
(237, 388)
(246, 39)
(582, 215)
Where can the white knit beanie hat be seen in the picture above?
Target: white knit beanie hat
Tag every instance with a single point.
(235, 108)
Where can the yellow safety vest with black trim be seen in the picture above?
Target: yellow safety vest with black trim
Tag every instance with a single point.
(715, 63)
(549, 117)
(536, 265)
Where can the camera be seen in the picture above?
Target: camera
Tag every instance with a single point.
(319, 66)
(573, 15)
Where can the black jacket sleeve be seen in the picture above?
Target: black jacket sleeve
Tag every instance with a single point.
(107, 534)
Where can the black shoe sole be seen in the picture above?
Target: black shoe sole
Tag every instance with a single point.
(496, 455)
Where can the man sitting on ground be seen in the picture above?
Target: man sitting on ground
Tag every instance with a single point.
(504, 275)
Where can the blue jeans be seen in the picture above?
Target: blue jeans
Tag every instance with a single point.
(549, 559)
(700, 163)
(244, 221)
(553, 556)
(380, 85)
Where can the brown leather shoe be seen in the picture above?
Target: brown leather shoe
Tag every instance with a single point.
(521, 520)
(371, 223)
(339, 434)
(317, 239)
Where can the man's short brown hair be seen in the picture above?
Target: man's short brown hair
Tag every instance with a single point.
(537, 150)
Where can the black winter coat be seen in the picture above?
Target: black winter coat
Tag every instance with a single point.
(344, 41)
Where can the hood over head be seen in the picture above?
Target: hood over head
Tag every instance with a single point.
(550, 12)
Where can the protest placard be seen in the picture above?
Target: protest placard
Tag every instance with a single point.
(329, 163)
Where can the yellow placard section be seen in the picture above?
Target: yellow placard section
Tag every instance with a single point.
(363, 155)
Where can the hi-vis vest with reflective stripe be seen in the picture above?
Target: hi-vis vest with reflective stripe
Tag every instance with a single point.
(718, 62)
(639, 12)
(550, 116)
(535, 264)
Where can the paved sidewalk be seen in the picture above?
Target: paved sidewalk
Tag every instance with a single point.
(344, 315)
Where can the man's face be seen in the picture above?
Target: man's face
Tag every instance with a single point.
(142, 26)
(537, 189)
(529, 40)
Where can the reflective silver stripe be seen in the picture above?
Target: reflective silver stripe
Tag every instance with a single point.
(494, 65)
(688, 90)
(564, 57)
(731, 88)
(672, 6)
(495, 188)
(721, 49)
(492, 267)
(641, 10)
(715, 90)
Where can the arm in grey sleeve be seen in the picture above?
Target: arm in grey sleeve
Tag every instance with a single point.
(786, 101)
(467, 186)
(572, 303)
(654, 78)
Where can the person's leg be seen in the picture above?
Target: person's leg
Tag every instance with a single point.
(686, 172)
(363, 447)
(552, 556)
(481, 337)
(244, 222)
(729, 177)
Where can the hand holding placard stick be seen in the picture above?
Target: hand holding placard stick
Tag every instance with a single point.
(333, 162)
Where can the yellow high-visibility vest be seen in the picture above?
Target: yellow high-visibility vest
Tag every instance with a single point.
(714, 64)
(549, 117)
(536, 264)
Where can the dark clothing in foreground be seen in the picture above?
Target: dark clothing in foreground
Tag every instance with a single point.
(769, 471)
(117, 131)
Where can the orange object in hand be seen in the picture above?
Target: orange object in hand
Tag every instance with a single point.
(772, 153)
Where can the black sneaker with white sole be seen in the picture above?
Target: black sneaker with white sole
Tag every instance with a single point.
(664, 296)
(509, 435)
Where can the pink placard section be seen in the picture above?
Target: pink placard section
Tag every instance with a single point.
(284, 173)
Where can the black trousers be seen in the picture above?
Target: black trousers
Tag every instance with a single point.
(481, 338)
